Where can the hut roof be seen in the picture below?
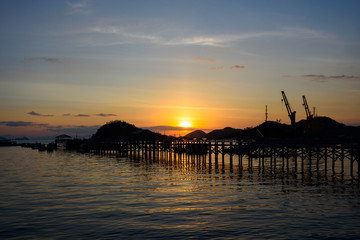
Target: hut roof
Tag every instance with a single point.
(63, 136)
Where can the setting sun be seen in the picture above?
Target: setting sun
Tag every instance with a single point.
(185, 124)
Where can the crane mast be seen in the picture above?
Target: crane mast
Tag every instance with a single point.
(307, 110)
(291, 113)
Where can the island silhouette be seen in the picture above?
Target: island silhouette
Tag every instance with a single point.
(314, 128)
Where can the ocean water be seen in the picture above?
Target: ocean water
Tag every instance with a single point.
(69, 195)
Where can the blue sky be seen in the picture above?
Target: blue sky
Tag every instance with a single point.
(213, 63)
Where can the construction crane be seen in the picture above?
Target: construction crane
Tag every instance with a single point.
(291, 113)
(307, 110)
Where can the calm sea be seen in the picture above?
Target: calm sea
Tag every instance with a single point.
(69, 195)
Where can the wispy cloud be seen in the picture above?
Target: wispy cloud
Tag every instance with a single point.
(237, 67)
(45, 59)
(323, 78)
(88, 115)
(216, 49)
(198, 40)
(78, 7)
(214, 41)
(39, 115)
(106, 115)
(199, 59)
(217, 68)
(124, 33)
(22, 124)
(166, 128)
(77, 129)
(221, 40)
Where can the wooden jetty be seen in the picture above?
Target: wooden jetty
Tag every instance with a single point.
(274, 155)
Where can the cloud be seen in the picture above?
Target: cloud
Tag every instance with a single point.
(77, 129)
(165, 128)
(217, 68)
(222, 40)
(216, 41)
(106, 115)
(87, 115)
(203, 59)
(286, 76)
(22, 124)
(237, 67)
(124, 33)
(78, 7)
(45, 59)
(323, 78)
(38, 114)
(216, 49)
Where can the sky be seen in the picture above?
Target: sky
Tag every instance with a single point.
(71, 66)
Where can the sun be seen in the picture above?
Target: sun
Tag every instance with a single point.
(185, 124)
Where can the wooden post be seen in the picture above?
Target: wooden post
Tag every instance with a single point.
(287, 159)
(223, 153)
(275, 151)
(310, 159)
(358, 160)
(231, 152)
(240, 153)
(271, 148)
(334, 159)
(342, 159)
(138, 146)
(209, 150)
(146, 150)
(302, 160)
(130, 149)
(295, 158)
(317, 159)
(325, 159)
(351, 165)
(283, 158)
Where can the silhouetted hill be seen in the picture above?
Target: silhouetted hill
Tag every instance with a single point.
(271, 129)
(198, 134)
(227, 132)
(123, 131)
(319, 128)
(2, 138)
(316, 128)
(325, 127)
(21, 138)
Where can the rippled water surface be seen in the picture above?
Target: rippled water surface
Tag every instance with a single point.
(72, 195)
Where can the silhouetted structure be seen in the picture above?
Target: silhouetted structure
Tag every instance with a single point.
(285, 156)
(267, 146)
(291, 113)
(309, 116)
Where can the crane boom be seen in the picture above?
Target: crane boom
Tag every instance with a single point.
(307, 110)
(291, 113)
